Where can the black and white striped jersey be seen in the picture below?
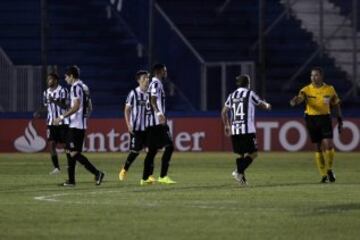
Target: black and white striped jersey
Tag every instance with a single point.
(156, 89)
(78, 90)
(59, 94)
(138, 101)
(242, 104)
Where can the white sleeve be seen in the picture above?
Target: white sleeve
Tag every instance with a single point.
(254, 98)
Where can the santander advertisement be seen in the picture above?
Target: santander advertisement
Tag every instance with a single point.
(194, 134)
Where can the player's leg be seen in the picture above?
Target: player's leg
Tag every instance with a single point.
(237, 149)
(248, 159)
(54, 158)
(249, 150)
(129, 160)
(136, 144)
(165, 140)
(151, 137)
(71, 162)
(243, 165)
(52, 139)
(78, 156)
(148, 165)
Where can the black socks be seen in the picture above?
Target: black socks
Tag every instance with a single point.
(243, 163)
(130, 159)
(55, 161)
(165, 160)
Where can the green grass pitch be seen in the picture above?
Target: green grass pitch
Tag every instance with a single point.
(284, 199)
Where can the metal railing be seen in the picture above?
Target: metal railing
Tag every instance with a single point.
(20, 86)
(244, 67)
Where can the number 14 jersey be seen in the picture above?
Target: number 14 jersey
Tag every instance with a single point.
(242, 103)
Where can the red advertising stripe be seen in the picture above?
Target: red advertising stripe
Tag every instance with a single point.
(189, 134)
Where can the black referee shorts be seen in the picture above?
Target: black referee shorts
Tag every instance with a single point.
(57, 133)
(244, 143)
(158, 136)
(75, 139)
(138, 140)
(319, 127)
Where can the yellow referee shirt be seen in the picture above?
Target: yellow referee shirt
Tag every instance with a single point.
(319, 99)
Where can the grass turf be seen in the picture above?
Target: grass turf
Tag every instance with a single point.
(284, 200)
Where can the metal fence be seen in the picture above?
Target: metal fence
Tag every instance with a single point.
(20, 86)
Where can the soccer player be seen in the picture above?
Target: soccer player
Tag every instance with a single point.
(134, 112)
(319, 98)
(240, 124)
(79, 95)
(55, 102)
(158, 133)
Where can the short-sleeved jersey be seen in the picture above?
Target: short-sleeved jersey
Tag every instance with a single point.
(242, 104)
(319, 100)
(78, 91)
(54, 110)
(137, 100)
(155, 90)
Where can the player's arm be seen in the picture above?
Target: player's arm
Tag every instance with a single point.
(70, 112)
(127, 113)
(62, 101)
(258, 102)
(298, 99)
(59, 102)
(158, 112)
(264, 105)
(226, 121)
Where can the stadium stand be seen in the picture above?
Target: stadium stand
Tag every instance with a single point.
(106, 49)
(230, 34)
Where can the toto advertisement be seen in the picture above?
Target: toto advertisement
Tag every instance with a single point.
(194, 134)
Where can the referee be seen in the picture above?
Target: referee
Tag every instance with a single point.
(319, 99)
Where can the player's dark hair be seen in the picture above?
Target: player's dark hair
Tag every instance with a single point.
(243, 80)
(73, 70)
(140, 73)
(157, 68)
(319, 70)
(54, 76)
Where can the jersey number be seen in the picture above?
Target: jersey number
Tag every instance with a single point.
(238, 109)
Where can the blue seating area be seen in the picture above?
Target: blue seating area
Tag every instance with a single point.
(106, 49)
(230, 34)
(80, 34)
